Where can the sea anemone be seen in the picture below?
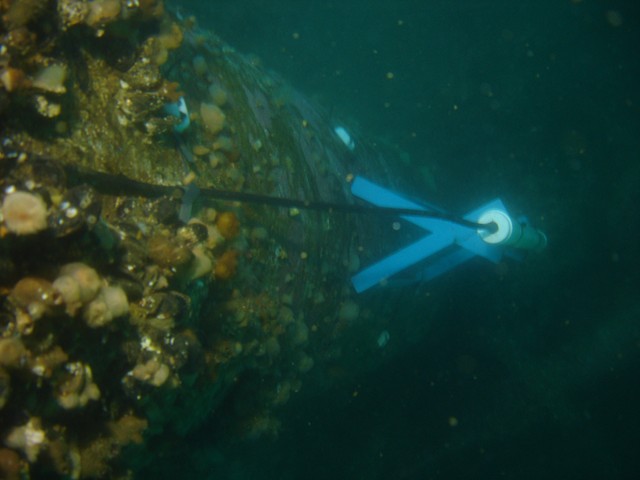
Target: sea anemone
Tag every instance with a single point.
(35, 296)
(226, 265)
(228, 225)
(110, 303)
(13, 353)
(212, 117)
(69, 289)
(87, 279)
(24, 213)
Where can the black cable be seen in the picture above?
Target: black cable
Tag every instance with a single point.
(116, 184)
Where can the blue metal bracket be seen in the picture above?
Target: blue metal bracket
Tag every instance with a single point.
(446, 246)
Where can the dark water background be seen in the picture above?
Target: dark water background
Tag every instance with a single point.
(533, 101)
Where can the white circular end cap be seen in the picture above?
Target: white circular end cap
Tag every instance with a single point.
(502, 220)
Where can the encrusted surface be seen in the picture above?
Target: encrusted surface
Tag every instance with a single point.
(140, 314)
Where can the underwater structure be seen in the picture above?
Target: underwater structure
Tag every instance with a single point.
(134, 306)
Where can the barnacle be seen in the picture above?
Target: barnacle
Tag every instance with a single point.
(24, 213)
